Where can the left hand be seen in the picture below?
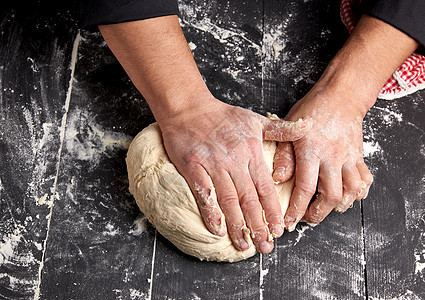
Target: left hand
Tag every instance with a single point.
(330, 157)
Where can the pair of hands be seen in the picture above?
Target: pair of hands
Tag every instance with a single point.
(210, 141)
(221, 145)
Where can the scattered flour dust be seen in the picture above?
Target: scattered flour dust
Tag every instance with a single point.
(11, 245)
(42, 200)
(420, 257)
(192, 46)
(86, 140)
(370, 148)
(139, 225)
(134, 294)
(137, 295)
(389, 116)
(408, 295)
(194, 296)
(274, 41)
(110, 230)
(200, 21)
(12, 255)
(420, 263)
(8, 244)
(236, 43)
(303, 228)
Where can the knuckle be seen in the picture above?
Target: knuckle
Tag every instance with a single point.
(210, 216)
(315, 215)
(253, 144)
(306, 190)
(275, 218)
(265, 189)
(192, 159)
(332, 197)
(368, 179)
(354, 187)
(197, 155)
(228, 200)
(315, 219)
(259, 234)
(236, 227)
(249, 202)
(285, 153)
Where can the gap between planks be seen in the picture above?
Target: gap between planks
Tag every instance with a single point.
(62, 138)
(153, 266)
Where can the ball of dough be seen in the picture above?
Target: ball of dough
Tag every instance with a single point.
(165, 198)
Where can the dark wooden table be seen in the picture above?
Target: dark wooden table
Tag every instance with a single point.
(69, 229)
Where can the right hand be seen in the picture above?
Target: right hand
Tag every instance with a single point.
(220, 146)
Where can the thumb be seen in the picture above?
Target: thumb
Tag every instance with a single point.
(283, 131)
(283, 162)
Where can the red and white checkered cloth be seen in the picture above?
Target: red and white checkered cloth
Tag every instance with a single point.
(408, 78)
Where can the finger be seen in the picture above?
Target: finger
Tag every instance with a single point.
(306, 175)
(282, 131)
(367, 179)
(252, 211)
(352, 187)
(267, 194)
(203, 190)
(229, 203)
(330, 194)
(284, 162)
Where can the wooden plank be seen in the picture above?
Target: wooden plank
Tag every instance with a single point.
(394, 212)
(35, 52)
(325, 262)
(300, 38)
(99, 248)
(178, 276)
(226, 40)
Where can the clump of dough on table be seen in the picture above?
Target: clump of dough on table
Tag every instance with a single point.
(165, 198)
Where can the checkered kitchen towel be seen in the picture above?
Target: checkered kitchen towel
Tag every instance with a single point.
(408, 78)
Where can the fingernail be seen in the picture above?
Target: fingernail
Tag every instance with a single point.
(339, 209)
(276, 230)
(290, 223)
(367, 192)
(291, 227)
(312, 224)
(342, 205)
(266, 247)
(278, 173)
(219, 227)
(243, 245)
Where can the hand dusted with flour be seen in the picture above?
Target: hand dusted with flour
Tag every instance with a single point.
(206, 139)
(166, 199)
(330, 156)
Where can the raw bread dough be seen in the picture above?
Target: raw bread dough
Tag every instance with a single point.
(165, 198)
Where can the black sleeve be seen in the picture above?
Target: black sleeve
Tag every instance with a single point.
(101, 12)
(405, 15)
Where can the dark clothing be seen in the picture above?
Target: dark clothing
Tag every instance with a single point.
(101, 12)
(406, 15)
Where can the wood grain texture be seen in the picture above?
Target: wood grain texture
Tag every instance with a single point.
(34, 76)
(300, 38)
(324, 262)
(262, 55)
(228, 52)
(96, 250)
(394, 213)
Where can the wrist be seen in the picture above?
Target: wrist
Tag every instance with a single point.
(184, 109)
(349, 83)
(179, 102)
(370, 56)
